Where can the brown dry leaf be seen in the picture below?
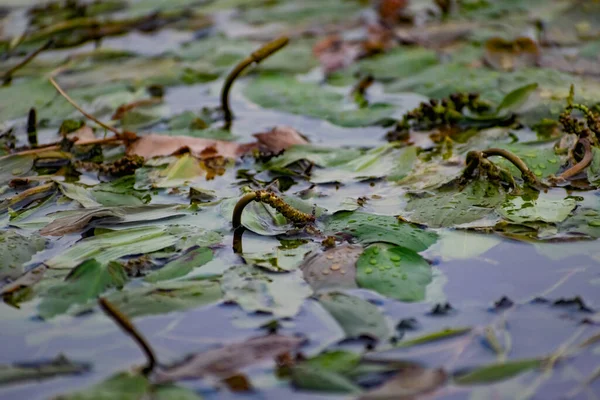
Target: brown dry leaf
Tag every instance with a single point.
(26, 280)
(84, 133)
(334, 53)
(332, 269)
(155, 145)
(226, 361)
(391, 11)
(78, 221)
(409, 384)
(280, 138)
(125, 108)
(505, 55)
(435, 36)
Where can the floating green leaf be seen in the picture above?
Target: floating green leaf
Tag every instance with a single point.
(371, 228)
(435, 336)
(86, 282)
(114, 245)
(452, 206)
(181, 265)
(288, 94)
(515, 99)
(393, 271)
(356, 316)
(307, 377)
(165, 297)
(544, 209)
(496, 372)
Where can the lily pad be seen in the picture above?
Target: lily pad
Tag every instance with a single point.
(452, 206)
(288, 94)
(544, 209)
(370, 228)
(393, 271)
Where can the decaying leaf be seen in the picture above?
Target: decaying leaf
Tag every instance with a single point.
(39, 370)
(409, 383)
(230, 359)
(155, 145)
(257, 291)
(280, 138)
(333, 269)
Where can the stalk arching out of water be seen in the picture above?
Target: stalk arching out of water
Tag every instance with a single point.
(256, 57)
(127, 326)
(274, 201)
(581, 165)
(526, 173)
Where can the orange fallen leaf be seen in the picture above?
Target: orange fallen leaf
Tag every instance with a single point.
(155, 145)
(334, 53)
(280, 138)
(390, 11)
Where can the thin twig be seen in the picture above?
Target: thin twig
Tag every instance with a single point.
(7, 77)
(255, 57)
(86, 114)
(55, 147)
(127, 326)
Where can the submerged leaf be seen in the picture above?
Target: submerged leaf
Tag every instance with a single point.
(307, 377)
(37, 371)
(356, 316)
(129, 386)
(229, 360)
(408, 383)
(16, 250)
(333, 269)
(393, 271)
(253, 290)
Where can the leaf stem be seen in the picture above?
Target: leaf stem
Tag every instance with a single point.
(526, 173)
(127, 326)
(7, 77)
(256, 57)
(274, 201)
(581, 165)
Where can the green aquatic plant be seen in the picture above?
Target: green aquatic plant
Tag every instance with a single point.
(270, 198)
(254, 58)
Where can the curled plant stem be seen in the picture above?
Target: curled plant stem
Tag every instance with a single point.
(127, 326)
(581, 165)
(274, 201)
(237, 240)
(526, 173)
(7, 77)
(255, 57)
